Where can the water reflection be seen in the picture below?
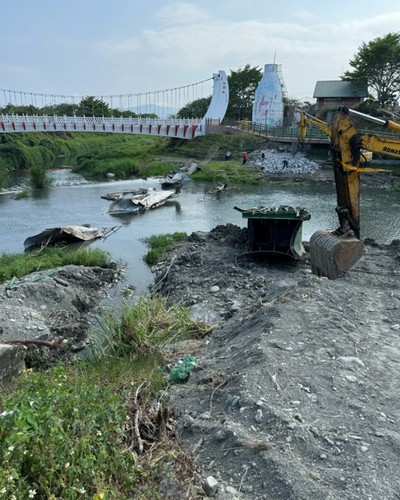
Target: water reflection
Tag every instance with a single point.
(125, 219)
(40, 194)
(174, 203)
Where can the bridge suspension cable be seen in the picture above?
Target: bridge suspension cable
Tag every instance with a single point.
(166, 101)
(55, 114)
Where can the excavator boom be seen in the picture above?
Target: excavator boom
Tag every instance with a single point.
(333, 253)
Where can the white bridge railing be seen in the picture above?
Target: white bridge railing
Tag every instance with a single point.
(177, 128)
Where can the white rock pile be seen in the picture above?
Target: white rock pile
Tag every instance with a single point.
(284, 163)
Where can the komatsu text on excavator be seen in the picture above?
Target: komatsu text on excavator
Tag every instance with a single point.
(333, 253)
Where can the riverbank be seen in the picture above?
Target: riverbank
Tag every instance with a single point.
(126, 157)
(280, 167)
(58, 305)
(295, 393)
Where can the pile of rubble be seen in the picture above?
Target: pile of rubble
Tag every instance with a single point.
(276, 162)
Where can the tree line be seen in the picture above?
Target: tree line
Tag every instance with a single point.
(88, 106)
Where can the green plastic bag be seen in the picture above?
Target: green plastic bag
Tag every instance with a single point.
(180, 374)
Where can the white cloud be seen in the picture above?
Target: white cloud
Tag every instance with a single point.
(189, 47)
(307, 52)
(127, 46)
(206, 43)
(181, 13)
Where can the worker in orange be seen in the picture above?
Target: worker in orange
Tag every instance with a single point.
(244, 157)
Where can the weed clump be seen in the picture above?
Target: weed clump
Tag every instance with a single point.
(161, 245)
(18, 265)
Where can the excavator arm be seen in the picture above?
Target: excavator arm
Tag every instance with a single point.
(305, 120)
(333, 253)
(383, 145)
(347, 146)
(386, 124)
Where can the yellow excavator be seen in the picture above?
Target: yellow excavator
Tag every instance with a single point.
(333, 253)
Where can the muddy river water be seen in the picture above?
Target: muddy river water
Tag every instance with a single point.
(70, 202)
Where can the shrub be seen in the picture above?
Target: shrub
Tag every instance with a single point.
(3, 175)
(38, 177)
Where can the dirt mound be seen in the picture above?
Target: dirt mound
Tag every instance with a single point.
(54, 303)
(296, 392)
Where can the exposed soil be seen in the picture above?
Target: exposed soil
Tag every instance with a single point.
(295, 395)
(55, 304)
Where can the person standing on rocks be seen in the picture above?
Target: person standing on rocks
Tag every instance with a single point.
(244, 157)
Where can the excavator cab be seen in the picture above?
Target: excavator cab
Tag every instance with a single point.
(333, 253)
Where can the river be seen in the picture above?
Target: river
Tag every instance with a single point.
(69, 202)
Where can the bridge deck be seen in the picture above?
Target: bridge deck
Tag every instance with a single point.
(279, 134)
(179, 128)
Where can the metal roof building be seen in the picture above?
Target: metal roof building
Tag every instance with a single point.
(331, 93)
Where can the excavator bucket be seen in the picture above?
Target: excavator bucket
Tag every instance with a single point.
(333, 255)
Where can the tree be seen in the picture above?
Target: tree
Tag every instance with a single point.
(195, 109)
(242, 86)
(377, 63)
(291, 105)
(117, 113)
(65, 108)
(90, 106)
(59, 109)
(20, 109)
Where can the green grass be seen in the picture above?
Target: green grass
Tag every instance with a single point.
(18, 265)
(22, 195)
(71, 432)
(198, 148)
(95, 155)
(63, 433)
(126, 159)
(161, 245)
(231, 172)
(147, 326)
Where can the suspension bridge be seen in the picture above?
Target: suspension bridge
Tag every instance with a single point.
(150, 105)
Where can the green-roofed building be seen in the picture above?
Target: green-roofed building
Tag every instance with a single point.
(335, 93)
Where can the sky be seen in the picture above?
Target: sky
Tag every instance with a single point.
(99, 47)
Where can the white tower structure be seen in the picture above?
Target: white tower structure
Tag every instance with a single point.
(268, 98)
